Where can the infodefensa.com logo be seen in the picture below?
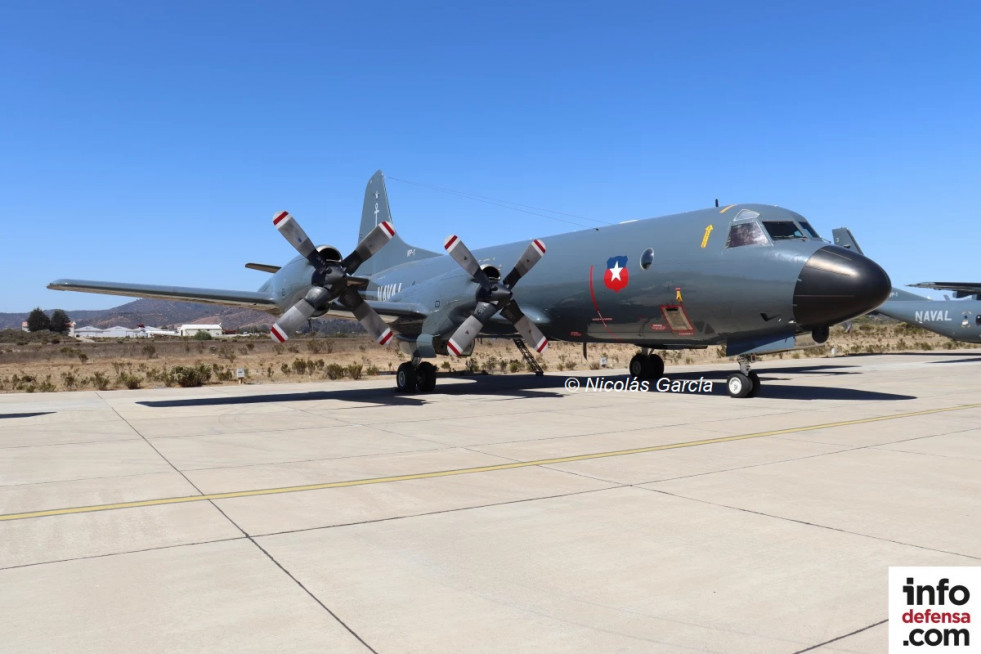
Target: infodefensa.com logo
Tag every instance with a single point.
(934, 608)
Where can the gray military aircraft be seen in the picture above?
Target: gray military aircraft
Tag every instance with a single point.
(749, 277)
(960, 320)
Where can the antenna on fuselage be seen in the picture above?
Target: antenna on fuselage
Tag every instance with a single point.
(716, 203)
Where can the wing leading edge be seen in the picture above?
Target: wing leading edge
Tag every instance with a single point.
(246, 299)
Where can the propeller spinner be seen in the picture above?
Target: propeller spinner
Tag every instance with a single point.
(494, 297)
(331, 280)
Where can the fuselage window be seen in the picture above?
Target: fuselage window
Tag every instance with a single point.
(781, 229)
(977, 320)
(647, 258)
(748, 233)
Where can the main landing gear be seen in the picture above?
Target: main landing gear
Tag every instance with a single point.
(744, 383)
(412, 376)
(646, 365)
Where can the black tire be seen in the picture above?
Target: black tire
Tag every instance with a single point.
(755, 380)
(738, 385)
(655, 367)
(426, 377)
(638, 366)
(406, 378)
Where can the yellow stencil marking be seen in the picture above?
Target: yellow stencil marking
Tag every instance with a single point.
(708, 232)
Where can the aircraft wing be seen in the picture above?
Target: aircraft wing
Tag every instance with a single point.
(961, 289)
(246, 299)
(395, 309)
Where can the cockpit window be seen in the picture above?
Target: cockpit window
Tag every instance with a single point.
(781, 229)
(745, 230)
(808, 230)
(745, 234)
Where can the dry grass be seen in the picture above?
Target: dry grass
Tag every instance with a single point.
(29, 364)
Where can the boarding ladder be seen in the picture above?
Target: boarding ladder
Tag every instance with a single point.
(529, 357)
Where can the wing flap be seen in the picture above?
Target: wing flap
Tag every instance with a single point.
(247, 299)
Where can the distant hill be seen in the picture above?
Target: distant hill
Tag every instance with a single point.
(165, 313)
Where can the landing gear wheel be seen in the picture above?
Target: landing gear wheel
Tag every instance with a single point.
(755, 380)
(739, 385)
(406, 378)
(638, 366)
(647, 367)
(655, 367)
(426, 377)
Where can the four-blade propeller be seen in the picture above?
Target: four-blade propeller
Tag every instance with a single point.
(495, 296)
(331, 280)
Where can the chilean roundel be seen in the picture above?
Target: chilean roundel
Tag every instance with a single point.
(616, 276)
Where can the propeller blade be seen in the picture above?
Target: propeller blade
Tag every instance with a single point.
(532, 335)
(298, 314)
(465, 334)
(374, 241)
(529, 331)
(463, 256)
(367, 316)
(294, 318)
(292, 232)
(532, 255)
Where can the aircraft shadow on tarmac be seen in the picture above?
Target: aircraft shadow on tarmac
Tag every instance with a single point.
(824, 369)
(511, 387)
(924, 353)
(383, 396)
(794, 392)
(976, 359)
(24, 415)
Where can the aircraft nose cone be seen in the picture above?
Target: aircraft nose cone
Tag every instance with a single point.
(836, 284)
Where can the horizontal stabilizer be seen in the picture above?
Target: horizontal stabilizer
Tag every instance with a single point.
(247, 299)
(263, 267)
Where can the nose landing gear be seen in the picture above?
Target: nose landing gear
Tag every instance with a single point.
(744, 383)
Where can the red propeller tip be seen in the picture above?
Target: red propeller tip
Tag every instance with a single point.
(277, 334)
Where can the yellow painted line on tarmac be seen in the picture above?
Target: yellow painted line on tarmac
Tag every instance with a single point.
(469, 471)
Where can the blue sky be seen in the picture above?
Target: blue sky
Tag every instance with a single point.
(153, 141)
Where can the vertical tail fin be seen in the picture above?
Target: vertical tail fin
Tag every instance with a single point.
(375, 211)
(843, 237)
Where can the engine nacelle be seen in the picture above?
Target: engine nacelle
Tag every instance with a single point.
(329, 252)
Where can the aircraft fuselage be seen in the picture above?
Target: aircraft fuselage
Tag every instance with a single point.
(958, 319)
(674, 281)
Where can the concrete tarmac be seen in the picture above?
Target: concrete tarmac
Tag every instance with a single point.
(499, 514)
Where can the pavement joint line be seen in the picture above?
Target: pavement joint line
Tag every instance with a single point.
(474, 470)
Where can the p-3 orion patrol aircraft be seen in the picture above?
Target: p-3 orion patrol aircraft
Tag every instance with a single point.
(749, 277)
(960, 320)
